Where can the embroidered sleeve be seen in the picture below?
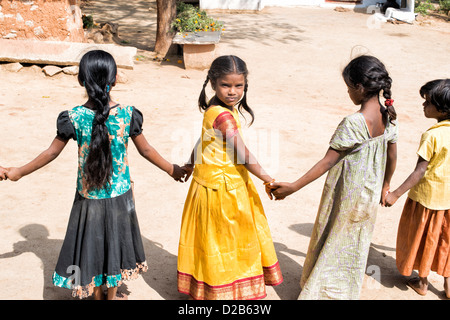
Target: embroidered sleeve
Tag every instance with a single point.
(226, 124)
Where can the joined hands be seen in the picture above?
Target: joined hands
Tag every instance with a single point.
(12, 174)
(3, 173)
(279, 190)
(181, 174)
(389, 199)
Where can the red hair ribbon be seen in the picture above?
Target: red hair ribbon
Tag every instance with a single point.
(389, 102)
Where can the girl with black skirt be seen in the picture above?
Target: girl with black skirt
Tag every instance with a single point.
(103, 244)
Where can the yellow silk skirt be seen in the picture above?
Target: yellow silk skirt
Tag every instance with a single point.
(226, 249)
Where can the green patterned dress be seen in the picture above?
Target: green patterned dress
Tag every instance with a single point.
(338, 250)
(103, 244)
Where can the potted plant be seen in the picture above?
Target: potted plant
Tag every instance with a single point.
(198, 34)
(191, 19)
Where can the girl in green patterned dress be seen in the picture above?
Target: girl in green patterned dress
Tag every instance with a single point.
(103, 244)
(361, 160)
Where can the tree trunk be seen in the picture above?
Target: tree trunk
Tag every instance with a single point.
(166, 11)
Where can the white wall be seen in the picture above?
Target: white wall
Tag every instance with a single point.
(290, 3)
(260, 4)
(406, 14)
(232, 4)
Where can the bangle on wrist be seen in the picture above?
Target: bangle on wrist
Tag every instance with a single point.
(268, 182)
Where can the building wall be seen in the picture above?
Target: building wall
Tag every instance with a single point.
(58, 20)
(260, 4)
(232, 4)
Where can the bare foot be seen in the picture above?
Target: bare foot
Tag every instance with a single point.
(419, 285)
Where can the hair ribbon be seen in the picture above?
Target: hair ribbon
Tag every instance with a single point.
(389, 102)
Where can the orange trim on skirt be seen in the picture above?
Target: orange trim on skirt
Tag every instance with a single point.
(250, 288)
(423, 240)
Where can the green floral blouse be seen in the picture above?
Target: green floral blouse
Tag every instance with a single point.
(122, 123)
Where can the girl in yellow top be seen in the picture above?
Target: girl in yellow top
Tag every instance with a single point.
(424, 229)
(225, 250)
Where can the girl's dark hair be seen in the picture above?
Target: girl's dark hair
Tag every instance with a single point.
(97, 73)
(221, 66)
(438, 93)
(371, 74)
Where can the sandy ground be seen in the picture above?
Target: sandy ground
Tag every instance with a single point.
(295, 57)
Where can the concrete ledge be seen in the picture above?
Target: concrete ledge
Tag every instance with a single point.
(198, 56)
(201, 37)
(198, 48)
(61, 53)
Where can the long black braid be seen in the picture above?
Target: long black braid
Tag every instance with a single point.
(97, 72)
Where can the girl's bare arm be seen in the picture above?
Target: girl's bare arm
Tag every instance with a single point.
(245, 157)
(283, 189)
(189, 166)
(391, 164)
(411, 181)
(47, 156)
(150, 153)
(242, 155)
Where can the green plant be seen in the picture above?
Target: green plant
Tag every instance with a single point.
(192, 19)
(423, 7)
(444, 6)
(88, 21)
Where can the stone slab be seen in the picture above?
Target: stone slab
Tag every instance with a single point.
(201, 37)
(51, 70)
(72, 70)
(12, 67)
(61, 53)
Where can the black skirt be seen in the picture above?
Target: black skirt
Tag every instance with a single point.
(102, 246)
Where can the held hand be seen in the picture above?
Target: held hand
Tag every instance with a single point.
(3, 174)
(188, 169)
(384, 193)
(281, 189)
(13, 174)
(269, 191)
(390, 199)
(178, 173)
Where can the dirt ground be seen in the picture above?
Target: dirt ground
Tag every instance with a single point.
(295, 57)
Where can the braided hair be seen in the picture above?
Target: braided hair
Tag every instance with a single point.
(371, 74)
(221, 66)
(97, 73)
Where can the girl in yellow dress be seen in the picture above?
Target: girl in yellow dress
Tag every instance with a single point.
(225, 250)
